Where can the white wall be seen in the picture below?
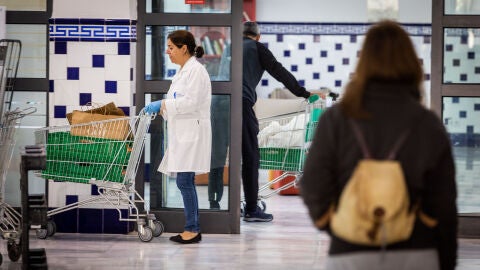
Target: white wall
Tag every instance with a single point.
(94, 9)
(349, 11)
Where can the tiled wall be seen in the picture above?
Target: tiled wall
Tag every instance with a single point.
(90, 61)
(325, 54)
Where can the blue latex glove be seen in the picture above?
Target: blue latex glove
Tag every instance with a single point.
(153, 107)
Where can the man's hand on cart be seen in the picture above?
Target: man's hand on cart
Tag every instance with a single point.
(314, 97)
(153, 107)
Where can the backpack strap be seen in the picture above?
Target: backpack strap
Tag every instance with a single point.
(363, 144)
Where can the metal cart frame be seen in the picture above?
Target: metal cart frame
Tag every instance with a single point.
(295, 130)
(104, 153)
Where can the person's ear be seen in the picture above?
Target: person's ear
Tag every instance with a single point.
(257, 38)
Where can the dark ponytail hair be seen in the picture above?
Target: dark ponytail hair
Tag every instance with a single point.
(183, 37)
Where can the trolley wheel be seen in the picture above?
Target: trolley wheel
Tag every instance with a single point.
(158, 228)
(51, 228)
(42, 233)
(14, 251)
(147, 234)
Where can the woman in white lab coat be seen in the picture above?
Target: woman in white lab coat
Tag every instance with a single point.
(187, 111)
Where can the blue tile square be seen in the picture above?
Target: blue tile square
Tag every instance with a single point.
(301, 82)
(463, 77)
(286, 53)
(456, 62)
(67, 221)
(308, 61)
(338, 46)
(294, 68)
(98, 61)
(323, 53)
(110, 86)
(338, 83)
(427, 77)
(131, 74)
(462, 114)
(85, 98)
(51, 86)
(301, 46)
(123, 48)
(427, 39)
(316, 38)
(477, 70)
(112, 224)
(448, 47)
(470, 129)
(59, 111)
(476, 107)
(94, 190)
(146, 176)
(345, 61)
(353, 38)
(90, 220)
(316, 75)
(455, 100)
(60, 47)
(69, 199)
(464, 39)
(471, 55)
(264, 82)
(73, 73)
(331, 68)
(126, 110)
(279, 37)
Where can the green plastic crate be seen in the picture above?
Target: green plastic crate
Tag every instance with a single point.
(79, 158)
(285, 159)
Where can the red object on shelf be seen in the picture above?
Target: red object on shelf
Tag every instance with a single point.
(195, 2)
(285, 181)
(250, 7)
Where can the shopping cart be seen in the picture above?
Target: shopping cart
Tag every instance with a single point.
(10, 219)
(10, 50)
(103, 153)
(284, 141)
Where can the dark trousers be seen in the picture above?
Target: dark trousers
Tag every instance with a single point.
(215, 184)
(250, 156)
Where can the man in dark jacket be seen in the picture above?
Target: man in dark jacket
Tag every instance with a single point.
(256, 59)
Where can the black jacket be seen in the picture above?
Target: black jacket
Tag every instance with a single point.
(256, 59)
(425, 155)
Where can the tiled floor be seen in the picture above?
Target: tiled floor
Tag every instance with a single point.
(289, 242)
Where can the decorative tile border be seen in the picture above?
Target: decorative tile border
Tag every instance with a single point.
(88, 30)
(334, 28)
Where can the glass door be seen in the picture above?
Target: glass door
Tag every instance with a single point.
(456, 98)
(215, 25)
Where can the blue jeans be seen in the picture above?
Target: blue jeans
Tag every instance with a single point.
(186, 184)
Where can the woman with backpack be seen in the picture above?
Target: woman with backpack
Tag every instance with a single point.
(381, 119)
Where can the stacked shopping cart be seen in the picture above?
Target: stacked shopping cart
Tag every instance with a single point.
(10, 219)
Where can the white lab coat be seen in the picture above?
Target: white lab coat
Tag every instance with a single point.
(188, 121)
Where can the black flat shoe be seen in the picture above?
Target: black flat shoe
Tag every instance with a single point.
(178, 238)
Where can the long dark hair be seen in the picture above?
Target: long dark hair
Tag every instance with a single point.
(183, 37)
(387, 55)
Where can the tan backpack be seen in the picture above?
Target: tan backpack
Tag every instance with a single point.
(374, 207)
